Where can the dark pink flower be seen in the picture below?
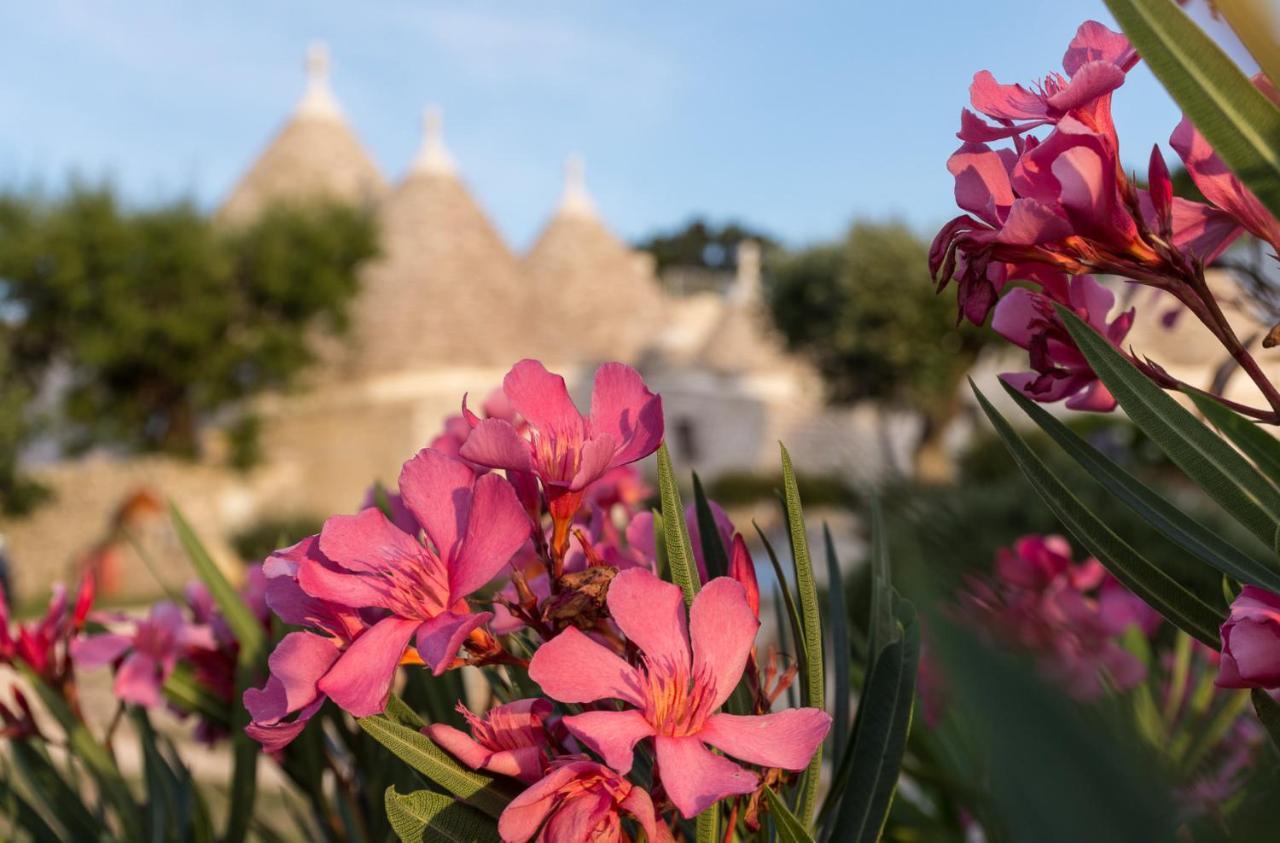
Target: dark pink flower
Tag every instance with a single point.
(564, 449)
(686, 674)
(1059, 370)
(473, 526)
(579, 801)
(1251, 641)
(509, 739)
(147, 653)
(44, 645)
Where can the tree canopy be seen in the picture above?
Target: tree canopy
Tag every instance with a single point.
(701, 244)
(144, 324)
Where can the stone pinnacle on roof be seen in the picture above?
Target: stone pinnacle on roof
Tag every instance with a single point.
(575, 201)
(433, 157)
(318, 101)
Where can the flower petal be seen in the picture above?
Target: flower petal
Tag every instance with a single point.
(368, 543)
(624, 408)
(695, 778)
(458, 744)
(525, 814)
(573, 668)
(785, 739)
(722, 628)
(497, 527)
(650, 612)
(440, 637)
(138, 680)
(299, 662)
(543, 399)
(612, 735)
(98, 650)
(523, 763)
(437, 489)
(361, 679)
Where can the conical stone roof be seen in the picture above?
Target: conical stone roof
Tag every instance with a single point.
(315, 154)
(595, 298)
(743, 340)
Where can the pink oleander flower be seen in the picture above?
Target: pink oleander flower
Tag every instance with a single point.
(564, 449)
(686, 673)
(396, 509)
(1251, 641)
(510, 739)
(1096, 62)
(44, 646)
(579, 801)
(147, 653)
(1221, 186)
(473, 526)
(1028, 319)
(302, 659)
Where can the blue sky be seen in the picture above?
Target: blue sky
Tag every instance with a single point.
(795, 117)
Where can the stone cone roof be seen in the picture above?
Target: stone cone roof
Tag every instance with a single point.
(315, 154)
(446, 290)
(743, 340)
(596, 298)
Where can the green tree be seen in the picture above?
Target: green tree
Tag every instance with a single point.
(863, 310)
(155, 321)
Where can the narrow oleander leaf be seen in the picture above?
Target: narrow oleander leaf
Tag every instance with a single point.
(426, 817)
(23, 816)
(785, 823)
(882, 630)
(1256, 443)
(183, 691)
(812, 676)
(46, 784)
(788, 600)
(95, 757)
(868, 785)
(420, 753)
(240, 618)
(838, 624)
(1173, 523)
(714, 552)
(1179, 603)
(1215, 466)
(1239, 121)
(706, 827)
(675, 533)
(1268, 711)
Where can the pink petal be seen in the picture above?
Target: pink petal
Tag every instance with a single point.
(523, 763)
(368, 543)
(542, 399)
(651, 614)
(785, 739)
(624, 408)
(274, 737)
(1095, 398)
(1255, 648)
(525, 814)
(440, 637)
(1095, 79)
(1004, 102)
(578, 817)
(495, 443)
(496, 528)
(1031, 223)
(458, 744)
(361, 679)
(322, 582)
(299, 662)
(1095, 299)
(695, 778)
(639, 805)
(1095, 42)
(138, 680)
(595, 457)
(612, 735)
(722, 628)
(573, 668)
(982, 181)
(98, 650)
(1017, 315)
(437, 489)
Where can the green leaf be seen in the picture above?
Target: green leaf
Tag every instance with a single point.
(22, 816)
(182, 689)
(1182, 605)
(1214, 465)
(707, 825)
(1237, 119)
(675, 532)
(1177, 526)
(1268, 711)
(420, 753)
(45, 783)
(838, 624)
(813, 679)
(250, 660)
(426, 817)
(870, 778)
(1248, 436)
(714, 552)
(789, 601)
(787, 824)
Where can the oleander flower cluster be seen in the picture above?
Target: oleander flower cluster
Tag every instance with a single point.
(1047, 205)
(516, 540)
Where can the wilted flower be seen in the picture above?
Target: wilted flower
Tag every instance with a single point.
(508, 739)
(579, 801)
(686, 674)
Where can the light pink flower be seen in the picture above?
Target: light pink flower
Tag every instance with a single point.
(509, 739)
(687, 672)
(579, 801)
(147, 653)
(473, 526)
(1059, 370)
(564, 449)
(1251, 641)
